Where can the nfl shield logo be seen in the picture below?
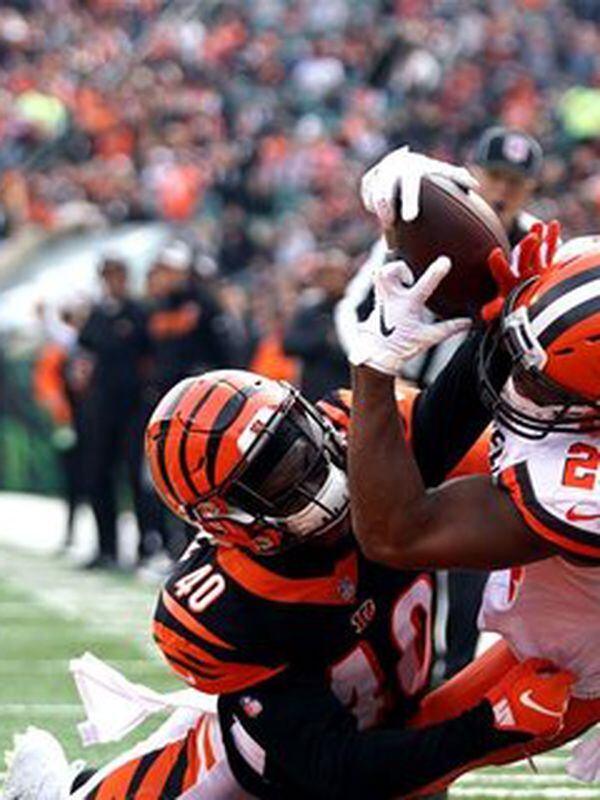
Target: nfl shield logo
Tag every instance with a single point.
(252, 707)
(346, 588)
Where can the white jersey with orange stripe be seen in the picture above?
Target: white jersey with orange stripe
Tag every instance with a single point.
(554, 483)
(551, 609)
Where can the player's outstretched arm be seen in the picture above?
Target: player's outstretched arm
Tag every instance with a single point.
(294, 739)
(468, 522)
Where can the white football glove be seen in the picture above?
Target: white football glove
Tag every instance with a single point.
(399, 175)
(398, 329)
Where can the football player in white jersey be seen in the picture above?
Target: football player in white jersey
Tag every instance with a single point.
(540, 507)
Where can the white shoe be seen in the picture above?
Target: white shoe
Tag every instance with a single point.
(37, 768)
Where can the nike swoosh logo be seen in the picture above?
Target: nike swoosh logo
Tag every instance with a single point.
(528, 701)
(385, 331)
(573, 516)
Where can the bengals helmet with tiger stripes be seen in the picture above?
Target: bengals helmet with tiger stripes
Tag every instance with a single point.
(248, 460)
(550, 327)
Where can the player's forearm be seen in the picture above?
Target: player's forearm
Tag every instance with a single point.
(386, 489)
(395, 763)
(339, 763)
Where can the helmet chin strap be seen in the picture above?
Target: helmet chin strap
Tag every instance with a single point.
(322, 511)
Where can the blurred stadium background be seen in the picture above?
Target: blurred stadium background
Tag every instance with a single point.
(240, 129)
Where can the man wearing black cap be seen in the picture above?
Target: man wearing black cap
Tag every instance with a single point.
(186, 323)
(507, 165)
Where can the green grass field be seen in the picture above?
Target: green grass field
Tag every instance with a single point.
(50, 613)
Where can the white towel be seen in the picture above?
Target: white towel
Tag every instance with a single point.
(114, 706)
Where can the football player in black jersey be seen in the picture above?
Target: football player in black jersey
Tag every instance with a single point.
(319, 657)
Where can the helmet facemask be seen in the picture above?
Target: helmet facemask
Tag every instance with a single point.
(293, 480)
(530, 404)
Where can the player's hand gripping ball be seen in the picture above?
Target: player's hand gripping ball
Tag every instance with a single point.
(428, 208)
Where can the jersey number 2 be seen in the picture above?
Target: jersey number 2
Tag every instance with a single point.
(358, 679)
(581, 466)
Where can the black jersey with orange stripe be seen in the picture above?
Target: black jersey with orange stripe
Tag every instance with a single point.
(226, 621)
(337, 405)
(554, 484)
(320, 659)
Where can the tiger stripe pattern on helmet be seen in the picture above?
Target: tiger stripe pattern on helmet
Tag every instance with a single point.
(193, 439)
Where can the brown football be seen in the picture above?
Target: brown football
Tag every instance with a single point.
(461, 225)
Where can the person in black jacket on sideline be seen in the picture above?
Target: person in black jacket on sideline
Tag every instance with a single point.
(311, 335)
(186, 323)
(115, 333)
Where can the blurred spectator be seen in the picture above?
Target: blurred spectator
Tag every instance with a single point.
(115, 334)
(61, 380)
(187, 326)
(508, 164)
(311, 336)
(241, 329)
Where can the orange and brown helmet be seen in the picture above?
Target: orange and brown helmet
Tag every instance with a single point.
(247, 459)
(550, 327)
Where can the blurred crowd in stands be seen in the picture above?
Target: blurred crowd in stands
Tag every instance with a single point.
(246, 125)
(249, 121)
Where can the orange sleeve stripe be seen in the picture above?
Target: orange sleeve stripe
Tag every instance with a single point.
(262, 582)
(171, 639)
(190, 622)
(241, 676)
(210, 674)
(515, 479)
(194, 762)
(476, 461)
(116, 785)
(184, 663)
(337, 406)
(159, 773)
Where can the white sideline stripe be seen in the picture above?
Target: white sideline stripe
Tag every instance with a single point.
(49, 666)
(104, 606)
(529, 778)
(554, 761)
(45, 709)
(486, 793)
